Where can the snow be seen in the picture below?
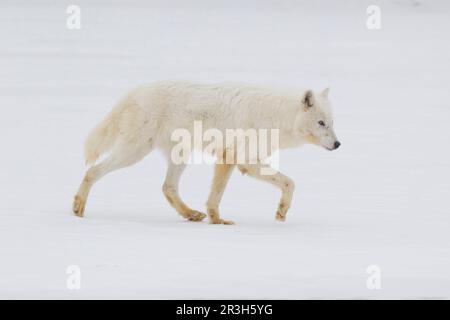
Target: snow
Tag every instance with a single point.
(381, 199)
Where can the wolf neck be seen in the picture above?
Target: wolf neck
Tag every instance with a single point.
(289, 135)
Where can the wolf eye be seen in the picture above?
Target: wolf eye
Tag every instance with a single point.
(322, 123)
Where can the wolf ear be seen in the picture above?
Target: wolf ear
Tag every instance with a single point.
(325, 92)
(308, 99)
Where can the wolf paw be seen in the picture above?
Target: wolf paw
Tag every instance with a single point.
(281, 212)
(78, 206)
(280, 217)
(195, 215)
(221, 221)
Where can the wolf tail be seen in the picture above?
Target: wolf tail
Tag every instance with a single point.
(101, 139)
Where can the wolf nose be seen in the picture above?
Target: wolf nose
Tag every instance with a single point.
(336, 144)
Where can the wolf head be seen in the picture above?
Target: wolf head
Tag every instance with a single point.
(315, 120)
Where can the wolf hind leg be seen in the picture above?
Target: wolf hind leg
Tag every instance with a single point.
(222, 173)
(170, 190)
(123, 155)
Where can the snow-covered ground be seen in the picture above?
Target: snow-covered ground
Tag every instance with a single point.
(381, 199)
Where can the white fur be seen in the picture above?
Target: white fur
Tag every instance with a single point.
(146, 117)
(155, 111)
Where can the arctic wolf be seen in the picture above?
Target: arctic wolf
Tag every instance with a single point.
(147, 116)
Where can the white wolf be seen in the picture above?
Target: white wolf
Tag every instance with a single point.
(146, 117)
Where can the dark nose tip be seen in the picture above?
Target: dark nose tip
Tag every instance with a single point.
(336, 144)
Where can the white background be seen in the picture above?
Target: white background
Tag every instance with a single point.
(381, 199)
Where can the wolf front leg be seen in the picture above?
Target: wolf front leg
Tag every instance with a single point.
(286, 184)
(222, 173)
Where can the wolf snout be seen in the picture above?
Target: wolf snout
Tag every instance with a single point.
(336, 144)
